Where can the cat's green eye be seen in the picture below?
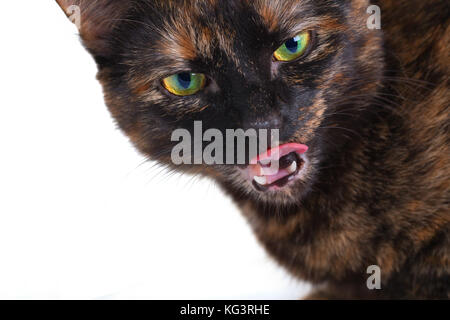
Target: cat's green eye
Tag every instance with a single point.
(293, 48)
(184, 84)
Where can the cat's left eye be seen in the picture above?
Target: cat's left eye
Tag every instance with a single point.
(293, 48)
(184, 84)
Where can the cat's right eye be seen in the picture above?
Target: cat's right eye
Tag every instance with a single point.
(184, 84)
(293, 48)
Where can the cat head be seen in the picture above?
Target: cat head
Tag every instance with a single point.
(305, 67)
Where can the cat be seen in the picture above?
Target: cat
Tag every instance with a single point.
(363, 119)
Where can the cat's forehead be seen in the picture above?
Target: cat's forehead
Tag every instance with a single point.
(193, 28)
(273, 12)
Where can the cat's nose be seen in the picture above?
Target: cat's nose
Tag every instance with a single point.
(271, 121)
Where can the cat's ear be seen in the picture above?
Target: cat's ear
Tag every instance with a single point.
(95, 20)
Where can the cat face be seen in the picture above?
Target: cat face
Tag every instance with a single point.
(305, 67)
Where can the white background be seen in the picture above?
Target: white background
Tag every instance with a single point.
(82, 215)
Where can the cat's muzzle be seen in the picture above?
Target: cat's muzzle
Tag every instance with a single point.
(277, 167)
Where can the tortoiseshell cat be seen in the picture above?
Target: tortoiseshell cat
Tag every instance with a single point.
(372, 107)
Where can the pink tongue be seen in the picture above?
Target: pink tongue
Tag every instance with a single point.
(275, 154)
(280, 151)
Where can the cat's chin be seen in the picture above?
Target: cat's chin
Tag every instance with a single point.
(288, 191)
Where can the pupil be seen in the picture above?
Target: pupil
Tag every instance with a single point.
(292, 45)
(184, 79)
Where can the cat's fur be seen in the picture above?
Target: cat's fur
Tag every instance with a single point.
(372, 105)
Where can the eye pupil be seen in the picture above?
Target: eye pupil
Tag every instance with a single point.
(184, 79)
(292, 45)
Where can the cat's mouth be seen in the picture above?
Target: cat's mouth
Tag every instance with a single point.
(277, 167)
